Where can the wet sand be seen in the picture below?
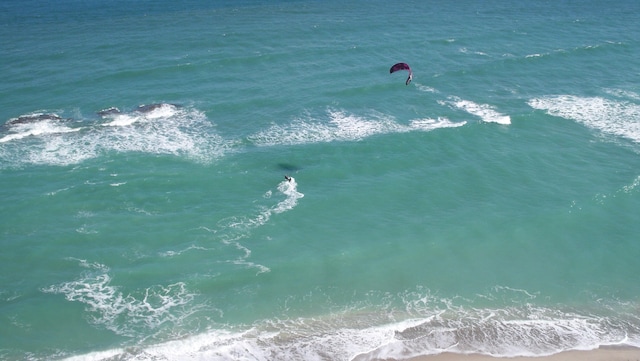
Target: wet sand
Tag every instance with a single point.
(601, 354)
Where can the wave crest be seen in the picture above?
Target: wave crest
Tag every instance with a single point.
(163, 129)
(612, 117)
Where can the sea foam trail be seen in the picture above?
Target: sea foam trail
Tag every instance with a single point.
(619, 118)
(287, 188)
(239, 228)
(232, 230)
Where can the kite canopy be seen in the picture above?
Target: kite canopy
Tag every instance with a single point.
(402, 66)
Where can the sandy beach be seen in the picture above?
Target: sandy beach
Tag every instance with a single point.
(601, 354)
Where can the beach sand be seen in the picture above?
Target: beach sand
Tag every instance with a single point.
(601, 354)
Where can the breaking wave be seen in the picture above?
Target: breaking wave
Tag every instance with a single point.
(485, 112)
(167, 129)
(162, 129)
(422, 324)
(620, 118)
(342, 126)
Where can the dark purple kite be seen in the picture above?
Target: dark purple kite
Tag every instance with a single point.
(402, 66)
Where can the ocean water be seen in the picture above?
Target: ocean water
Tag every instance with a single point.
(491, 206)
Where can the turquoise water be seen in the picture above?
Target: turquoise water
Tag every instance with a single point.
(490, 206)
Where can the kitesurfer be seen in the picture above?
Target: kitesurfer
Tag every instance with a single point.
(402, 66)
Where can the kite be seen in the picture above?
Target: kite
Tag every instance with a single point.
(402, 66)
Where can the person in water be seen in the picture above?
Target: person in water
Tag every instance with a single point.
(409, 79)
(288, 178)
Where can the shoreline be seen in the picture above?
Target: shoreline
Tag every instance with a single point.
(608, 353)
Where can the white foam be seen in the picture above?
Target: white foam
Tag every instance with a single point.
(172, 253)
(185, 132)
(625, 94)
(634, 185)
(467, 51)
(161, 111)
(332, 338)
(426, 89)
(485, 112)
(612, 117)
(37, 128)
(297, 339)
(244, 225)
(232, 230)
(290, 189)
(432, 124)
(122, 120)
(235, 228)
(425, 325)
(165, 130)
(126, 314)
(340, 127)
